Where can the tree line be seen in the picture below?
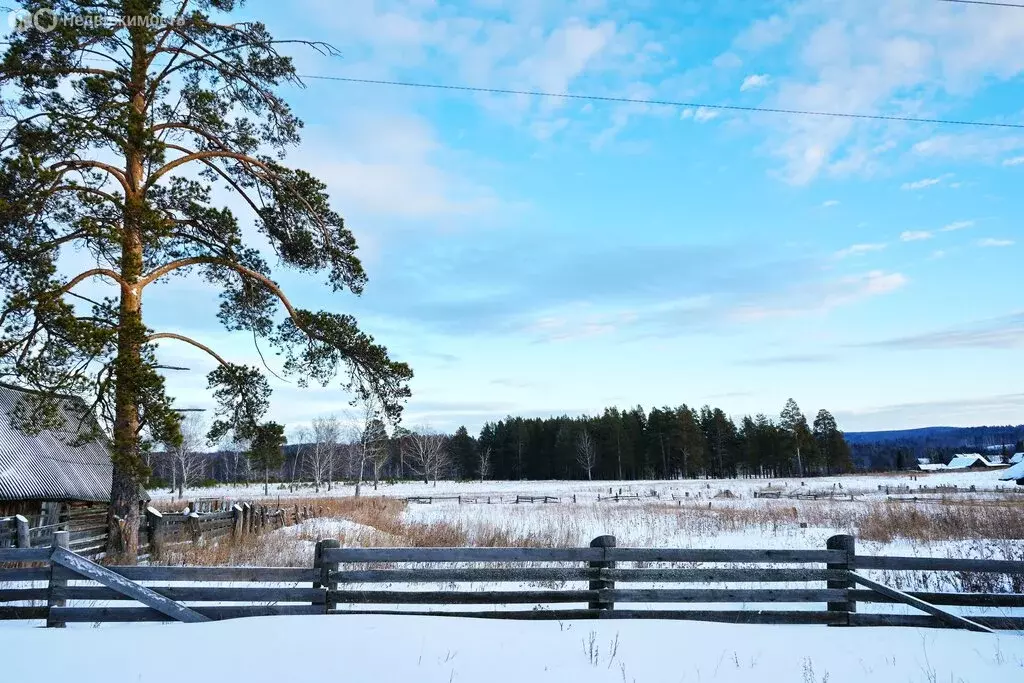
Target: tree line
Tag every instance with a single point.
(663, 443)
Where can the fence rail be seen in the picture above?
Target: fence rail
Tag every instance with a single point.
(798, 586)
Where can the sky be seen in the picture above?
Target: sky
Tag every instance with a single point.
(539, 256)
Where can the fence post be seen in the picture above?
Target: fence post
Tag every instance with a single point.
(24, 540)
(236, 519)
(325, 570)
(61, 539)
(155, 526)
(246, 519)
(194, 527)
(848, 544)
(600, 584)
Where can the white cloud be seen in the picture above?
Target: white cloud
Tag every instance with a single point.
(704, 114)
(825, 297)
(993, 242)
(938, 253)
(957, 225)
(1015, 161)
(727, 60)
(829, 202)
(763, 33)
(915, 235)
(859, 250)
(755, 81)
(921, 184)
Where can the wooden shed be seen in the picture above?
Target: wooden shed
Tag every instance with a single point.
(56, 479)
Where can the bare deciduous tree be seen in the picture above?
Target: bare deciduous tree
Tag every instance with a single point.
(428, 453)
(319, 457)
(368, 438)
(586, 453)
(188, 461)
(484, 458)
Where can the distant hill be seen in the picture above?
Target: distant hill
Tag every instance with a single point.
(900, 448)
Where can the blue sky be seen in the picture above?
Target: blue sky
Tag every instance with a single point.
(536, 256)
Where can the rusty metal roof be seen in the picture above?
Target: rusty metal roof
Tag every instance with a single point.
(48, 466)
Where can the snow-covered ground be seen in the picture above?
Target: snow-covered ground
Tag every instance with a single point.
(447, 650)
(860, 484)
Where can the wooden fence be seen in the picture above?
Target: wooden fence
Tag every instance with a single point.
(800, 586)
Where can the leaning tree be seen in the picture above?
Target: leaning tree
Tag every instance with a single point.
(120, 119)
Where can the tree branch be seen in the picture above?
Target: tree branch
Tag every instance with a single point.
(105, 272)
(187, 340)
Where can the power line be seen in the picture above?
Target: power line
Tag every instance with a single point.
(990, 3)
(665, 103)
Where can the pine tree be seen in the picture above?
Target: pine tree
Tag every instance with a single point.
(266, 452)
(114, 136)
(462, 448)
(797, 430)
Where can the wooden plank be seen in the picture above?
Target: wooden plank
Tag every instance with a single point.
(460, 598)
(463, 554)
(12, 613)
(530, 574)
(24, 574)
(19, 594)
(726, 616)
(703, 555)
(250, 574)
(939, 564)
(201, 594)
(24, 554)
(22, 533)
(948, 599)
(722, 595)
(91, 570)
(210, 612)
(926, 621)
(949, 618)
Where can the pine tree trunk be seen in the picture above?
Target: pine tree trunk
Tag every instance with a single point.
(266, 481)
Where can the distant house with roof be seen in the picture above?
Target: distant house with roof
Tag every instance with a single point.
(55, 475)
(961, 462)
(1014, 473)
(1016, 458)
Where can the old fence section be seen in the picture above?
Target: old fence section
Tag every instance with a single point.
(833, 586)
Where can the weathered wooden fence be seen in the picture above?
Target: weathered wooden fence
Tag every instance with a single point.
(599, 582)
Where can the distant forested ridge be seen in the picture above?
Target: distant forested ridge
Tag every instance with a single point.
(901, 449)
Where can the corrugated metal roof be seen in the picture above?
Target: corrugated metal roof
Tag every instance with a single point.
(46, 466)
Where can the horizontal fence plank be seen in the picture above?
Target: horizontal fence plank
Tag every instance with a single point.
(215, 612)
(926, 621)
(457, 598)
(949, 599)
(726, 616)
(11, 613)
(527, 574)
(24, 574)
(938, 564)
(463, 554)
(579, 555)
(198, 594)
(721, 595)
(250, 574)
(18, 594)
(724, 555)
(24, 554)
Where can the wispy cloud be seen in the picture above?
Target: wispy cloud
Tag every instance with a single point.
(860, 249)
(700, 114)
(830, 202)
(923, 183)
(915, 235)
(1015, 161)
(755, 81)
(792, 359)
(958, 225)
(826, 296)
(994, 242)
(1006, 332)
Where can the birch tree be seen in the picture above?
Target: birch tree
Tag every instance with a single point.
(113, 135)
(188, 461)
(319, 465)
(428, 453)
(586, 453)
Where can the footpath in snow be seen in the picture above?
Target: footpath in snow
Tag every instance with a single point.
(447, 650)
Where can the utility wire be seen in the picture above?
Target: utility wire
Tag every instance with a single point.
(665, 103)
(990, 3)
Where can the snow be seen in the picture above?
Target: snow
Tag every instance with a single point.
(965, 460)
(447, 650)
(1016, 458)
(1015, 472)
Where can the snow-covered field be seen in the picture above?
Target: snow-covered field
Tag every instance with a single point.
(682, 514)
(382, 649)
